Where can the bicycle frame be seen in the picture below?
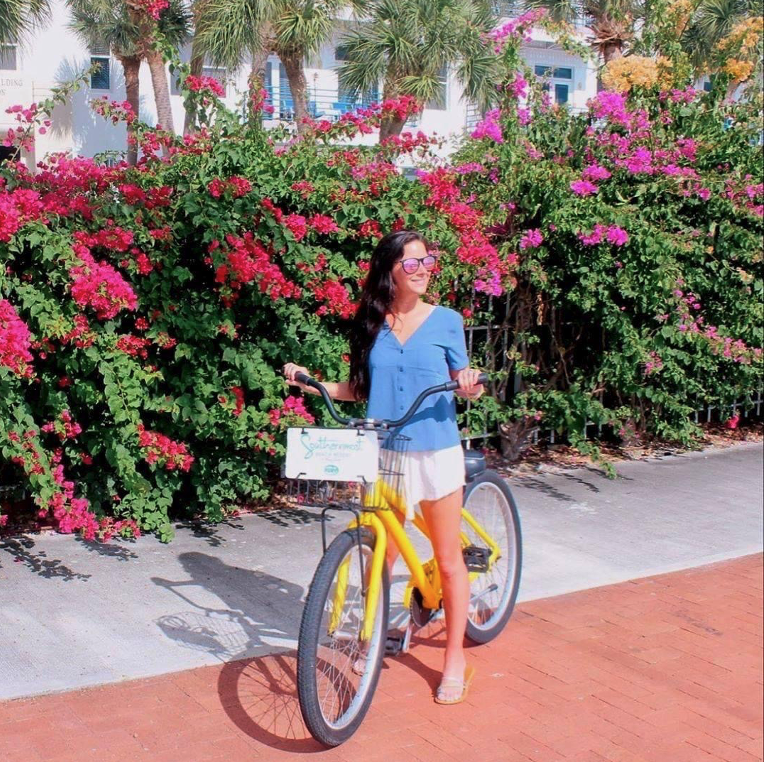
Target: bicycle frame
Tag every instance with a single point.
(386, 526)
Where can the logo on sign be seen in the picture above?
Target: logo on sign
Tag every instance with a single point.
(323, 447)
(331, 469)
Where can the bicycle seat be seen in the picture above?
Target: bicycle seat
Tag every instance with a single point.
(474, 464)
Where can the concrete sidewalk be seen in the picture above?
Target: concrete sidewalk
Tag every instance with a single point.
(76, 614)
(661, 669)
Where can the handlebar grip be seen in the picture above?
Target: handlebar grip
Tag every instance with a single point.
(452, 386)
(303, 378)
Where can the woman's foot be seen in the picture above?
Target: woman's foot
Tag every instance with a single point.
(453, 690)
(451, 685)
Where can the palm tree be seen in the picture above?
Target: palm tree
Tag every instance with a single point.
(97, 23)
(173, 25)
(20, 17)
(611, 21)
(410, 43)
(230, 30)
(712, 21)
(131, 36)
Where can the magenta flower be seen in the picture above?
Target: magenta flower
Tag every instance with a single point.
(583, 188)
(595, 172)
(518, 88)
(15, 341)
(617, 236)
(593, 238)
(610, 105)
(532, 239)
(489, 128)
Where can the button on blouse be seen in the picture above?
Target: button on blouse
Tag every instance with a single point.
(400, 372)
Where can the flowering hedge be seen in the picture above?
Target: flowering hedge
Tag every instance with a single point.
(145, 311)
(633, 237)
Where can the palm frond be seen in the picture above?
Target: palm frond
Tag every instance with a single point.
(228, 29)
(19, 18)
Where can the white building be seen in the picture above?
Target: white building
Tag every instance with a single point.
(54, 55)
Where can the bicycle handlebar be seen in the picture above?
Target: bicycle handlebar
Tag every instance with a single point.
(450, 386)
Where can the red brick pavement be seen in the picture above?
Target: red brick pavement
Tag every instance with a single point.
(667, 668)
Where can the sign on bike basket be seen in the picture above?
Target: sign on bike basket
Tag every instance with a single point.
(336, 455)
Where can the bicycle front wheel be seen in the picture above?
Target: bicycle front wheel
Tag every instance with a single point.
(337, 673)
(489, 502)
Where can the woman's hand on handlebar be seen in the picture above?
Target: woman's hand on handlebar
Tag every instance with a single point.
(469, 385)
(291, 370)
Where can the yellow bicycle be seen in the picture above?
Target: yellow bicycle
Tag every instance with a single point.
(344, 630)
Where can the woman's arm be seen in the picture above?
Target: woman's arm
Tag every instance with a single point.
(338, 390)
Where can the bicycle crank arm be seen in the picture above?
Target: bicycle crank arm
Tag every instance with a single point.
(490, 589)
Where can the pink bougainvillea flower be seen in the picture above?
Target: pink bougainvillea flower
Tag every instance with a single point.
(15, 341)
(583, 188)
(321, 223)
(617, 236)
(489, 128)
(595, 172)
(532, 239)
(100, 286)
(297, 224)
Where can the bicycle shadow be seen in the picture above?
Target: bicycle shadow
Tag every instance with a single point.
(260, 697)
(239, 616)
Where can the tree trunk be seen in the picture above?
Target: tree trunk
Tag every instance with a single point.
(131, 66)
(257, 70)
(197, 66)
(612, 50)
(161, 90)
(299, 87)
(390, 126)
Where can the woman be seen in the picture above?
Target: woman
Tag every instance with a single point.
(399, 346)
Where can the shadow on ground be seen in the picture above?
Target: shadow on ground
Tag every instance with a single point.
(21, 550)
(233, 611)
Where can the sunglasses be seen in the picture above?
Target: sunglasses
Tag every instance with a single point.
(411, 264)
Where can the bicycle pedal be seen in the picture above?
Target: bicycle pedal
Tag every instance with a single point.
(394, 645)
(476, 559)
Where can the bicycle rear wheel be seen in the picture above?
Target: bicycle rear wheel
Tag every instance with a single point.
(492, 593)
(337, 674)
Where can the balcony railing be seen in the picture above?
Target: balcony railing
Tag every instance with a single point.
(511, 9)
(323, 103)
(474, 116)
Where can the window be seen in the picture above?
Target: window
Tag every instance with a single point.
(100, 79)
(439, 102)
(100, 54)
(8, 60)
(341, 53)
(553, 74)
(559, 72)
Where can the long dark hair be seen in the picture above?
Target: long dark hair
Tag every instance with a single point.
(376, 301)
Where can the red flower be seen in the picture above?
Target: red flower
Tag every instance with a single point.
(323, 224)
(297, 224)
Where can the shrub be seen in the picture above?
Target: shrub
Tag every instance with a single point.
(145, 311)
(633, 237)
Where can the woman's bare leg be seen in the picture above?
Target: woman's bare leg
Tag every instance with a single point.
(443, 519)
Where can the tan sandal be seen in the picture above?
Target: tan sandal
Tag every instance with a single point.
(453, 682)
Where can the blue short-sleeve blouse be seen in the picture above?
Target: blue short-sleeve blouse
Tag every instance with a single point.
(400, 372)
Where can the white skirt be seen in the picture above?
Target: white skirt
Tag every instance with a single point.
(427, 475)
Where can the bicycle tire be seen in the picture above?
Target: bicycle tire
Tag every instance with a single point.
(503, 514)
(311, 667)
